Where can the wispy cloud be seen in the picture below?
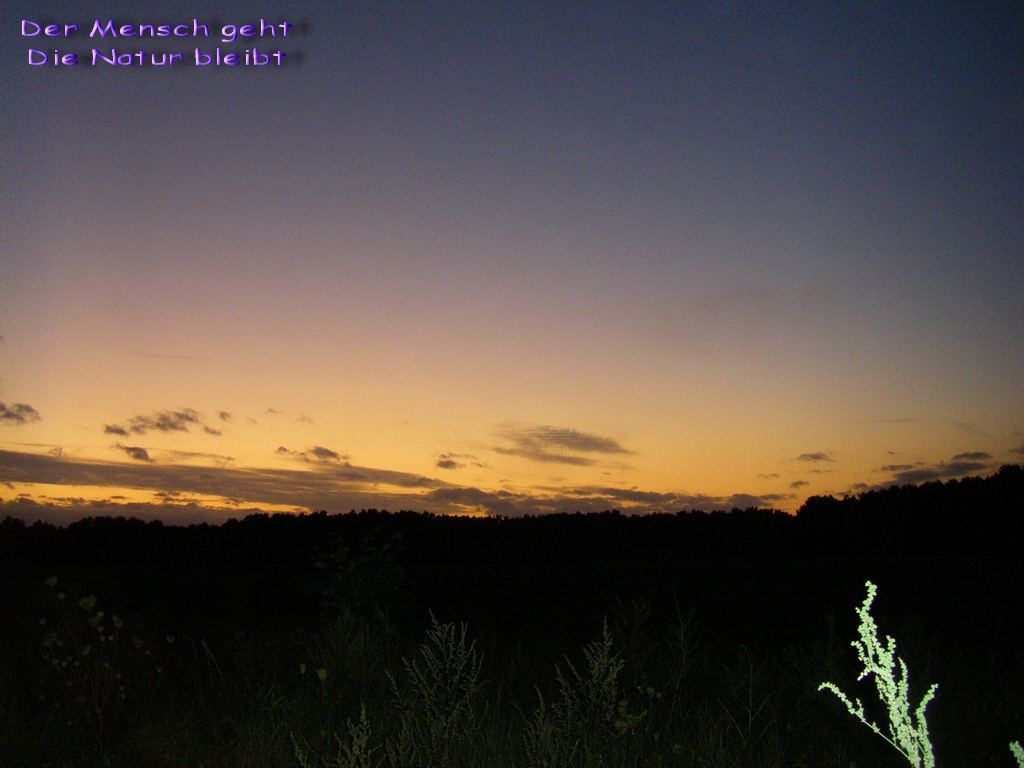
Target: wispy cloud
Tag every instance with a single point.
(331, 486)
(181, 420)
(745, 299)
(973, 456)
(885, 421)
(456, 460)
(158, 356)
(165, 421)
(190, 455)
(134, 452)
(326, 454)
(171, 511)
(971, 429)
(819, 456)
(17, 414)
(161, 421)
(591, 499)
(504, 503)
(897, 467)
(317, 454)
(340, 487)
(798, 484)
(962, 464)
(557, 445)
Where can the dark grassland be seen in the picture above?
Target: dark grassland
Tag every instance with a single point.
(409, 639)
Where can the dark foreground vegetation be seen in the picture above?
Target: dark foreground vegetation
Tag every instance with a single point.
(586, 640)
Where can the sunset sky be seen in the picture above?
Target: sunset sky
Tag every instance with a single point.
(509, 257)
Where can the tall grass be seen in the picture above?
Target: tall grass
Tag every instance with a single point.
(94, 669)
(586, 715)
(351, 693)
(439, 706)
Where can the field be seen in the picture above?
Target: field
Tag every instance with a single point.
(589, 640)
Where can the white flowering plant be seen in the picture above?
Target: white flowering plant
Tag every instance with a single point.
(907, 731)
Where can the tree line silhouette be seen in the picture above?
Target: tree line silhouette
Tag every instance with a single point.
(944, 546)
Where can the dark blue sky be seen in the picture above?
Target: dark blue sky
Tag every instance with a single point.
(724, 237)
